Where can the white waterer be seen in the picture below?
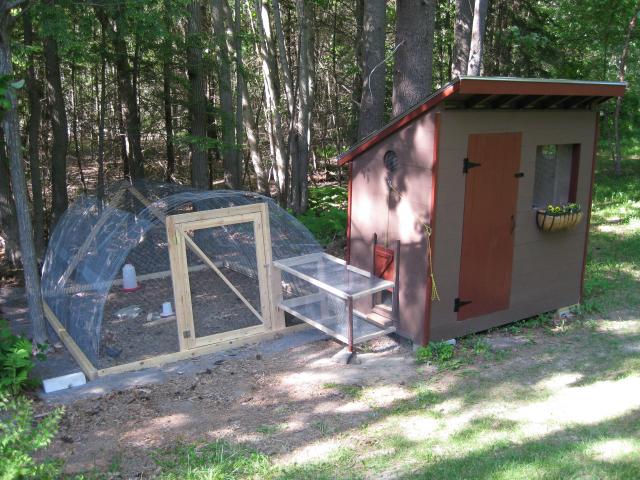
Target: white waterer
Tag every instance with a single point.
(129, 280)
(167, 311)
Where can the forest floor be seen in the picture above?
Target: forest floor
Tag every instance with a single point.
(540, 398)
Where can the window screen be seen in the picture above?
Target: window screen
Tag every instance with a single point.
(554, 175)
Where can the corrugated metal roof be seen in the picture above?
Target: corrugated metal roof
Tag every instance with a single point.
(498, 93)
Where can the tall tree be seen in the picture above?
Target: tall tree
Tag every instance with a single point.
(372, 102)
(270, 76)
(34, 92)
(11, 129)
(462, 37)
(126, 90)
(167, 55)
(299, 177)
(197, 98)
(415, 21)
(477, 37)
(232, 170)
(59, 126)
(622, 70)
(8, 223)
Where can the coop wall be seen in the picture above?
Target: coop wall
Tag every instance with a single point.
(374, 210)
(547, 267)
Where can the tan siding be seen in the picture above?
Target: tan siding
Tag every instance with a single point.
(401, 221)
(547, 267)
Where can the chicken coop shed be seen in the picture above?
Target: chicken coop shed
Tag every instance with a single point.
(491, 179)
(153, 273)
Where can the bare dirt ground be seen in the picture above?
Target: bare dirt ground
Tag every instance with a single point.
(216, 309)
(273, 403)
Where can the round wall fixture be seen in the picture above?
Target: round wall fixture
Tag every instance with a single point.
(390, 161)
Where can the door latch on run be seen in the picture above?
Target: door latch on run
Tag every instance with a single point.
(457, 304)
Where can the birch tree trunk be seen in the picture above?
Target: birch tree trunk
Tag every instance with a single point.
(34, 92)
(59, 126)
(462, 37)
(11, 129)
(415, 22)
(197, 98)
(232, 172)
(622, 67)
(273, 114)
(247, 119)
(477, 37)
(102, 111)
(372, 102)
(284, 62)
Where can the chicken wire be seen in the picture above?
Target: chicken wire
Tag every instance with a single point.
(95, 238)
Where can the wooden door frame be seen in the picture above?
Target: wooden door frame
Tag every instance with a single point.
(178, 227)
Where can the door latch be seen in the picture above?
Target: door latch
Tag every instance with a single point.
(467, 165)
(457, 304)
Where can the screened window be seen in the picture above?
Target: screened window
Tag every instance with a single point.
(556, 174)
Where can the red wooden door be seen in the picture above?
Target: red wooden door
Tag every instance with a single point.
(490, 202)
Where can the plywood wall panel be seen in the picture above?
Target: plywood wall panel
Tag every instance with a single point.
(547, 266)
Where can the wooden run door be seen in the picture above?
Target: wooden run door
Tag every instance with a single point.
(490, 202)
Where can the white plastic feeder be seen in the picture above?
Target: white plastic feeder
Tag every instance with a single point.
(167, 311)
(129, 280)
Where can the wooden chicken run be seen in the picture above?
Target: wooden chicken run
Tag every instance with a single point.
(458, 181)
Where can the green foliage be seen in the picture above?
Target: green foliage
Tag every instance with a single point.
(557, 210)
(436, 352)
(327, 214)
(7, 85)
(16, 361)
(21, 435)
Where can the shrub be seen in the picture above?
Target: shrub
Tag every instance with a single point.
(16, 361)
(21, 435)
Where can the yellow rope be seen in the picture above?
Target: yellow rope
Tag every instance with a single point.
(428, 231)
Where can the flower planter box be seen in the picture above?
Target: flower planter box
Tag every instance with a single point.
(556, 223)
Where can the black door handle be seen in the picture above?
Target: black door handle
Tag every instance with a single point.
(513, 223)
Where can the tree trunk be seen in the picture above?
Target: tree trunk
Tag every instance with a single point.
(232, 169)
(11, 129)
(102, 110)
(356, 89)
(58, 116)
(622, 67)
(273, 114)
(284, 62)
(372, 102)
(415, 22)
(197, 98)
(34, 92)
(74, 127)
(8, 223)
(300, 165)
(477, 37)
(246, 118)
(127, 94)
(462, 38)
(167, 53)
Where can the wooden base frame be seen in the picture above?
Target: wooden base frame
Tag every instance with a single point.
(273, 323)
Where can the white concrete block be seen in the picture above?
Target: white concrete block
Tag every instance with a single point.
(65, 381)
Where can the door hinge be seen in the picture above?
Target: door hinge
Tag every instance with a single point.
(467, 165)
(186, 334)
(457, 303)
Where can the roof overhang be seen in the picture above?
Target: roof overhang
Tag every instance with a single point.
(498, 93)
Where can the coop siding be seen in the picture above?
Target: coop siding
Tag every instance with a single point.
(413, 178)
(546, 267)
